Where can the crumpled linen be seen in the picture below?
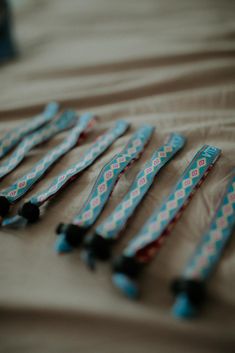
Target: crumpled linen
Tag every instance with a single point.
(167, 63)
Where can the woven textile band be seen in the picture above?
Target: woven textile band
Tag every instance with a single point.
(206, 256)
(19, 188)
(117, 220)
(144, 246)
(12, 138)
(99, 243)
(103, 187)
(30, 211)
(60, 123)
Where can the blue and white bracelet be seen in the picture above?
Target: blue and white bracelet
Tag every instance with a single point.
(30, 211)
(62, 122)
(143, 247)
(71, 235)
(98, 244)
(12, 138)
(20, 187)
(190, 287)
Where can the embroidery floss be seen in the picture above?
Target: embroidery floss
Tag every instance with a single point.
(145, 245)
(12, 138)
(19, 188)
(71, 235)
(98, 245)
(30, 210)
(190, 288)
(62, 122)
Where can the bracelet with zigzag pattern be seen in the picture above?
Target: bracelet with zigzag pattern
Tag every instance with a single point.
(21, 186)
(143, 247)
(12, 138)
(98, 244)
(70, 236)
(63, 122)
(190, 287)
(30, 211)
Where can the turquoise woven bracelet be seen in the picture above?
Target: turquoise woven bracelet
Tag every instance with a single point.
(148, 241)
(57, 125)
(71, 235)
(12, 138)
(190, 287)
(98, 244)
(20, 187)
(30, 211)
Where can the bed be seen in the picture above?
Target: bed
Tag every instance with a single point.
(170, 64)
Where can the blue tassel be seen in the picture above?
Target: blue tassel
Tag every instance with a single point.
(61, 245)
(126, 285)
(183, 307)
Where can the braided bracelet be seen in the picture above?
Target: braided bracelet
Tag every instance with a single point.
(60, 123)
(71, 235)
(98, 245)
(190, 288)
(12, 138)
(30, 210)
(145, 245)
(19, 188)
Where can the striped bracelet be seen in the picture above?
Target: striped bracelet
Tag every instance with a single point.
(71, 235)
(145, 245)
(60, 123)
(98, 245)
(190, 288)
(12, 138)
(30, 211)
(19, 188)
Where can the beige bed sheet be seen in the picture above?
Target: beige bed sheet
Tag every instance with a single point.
(168, 63)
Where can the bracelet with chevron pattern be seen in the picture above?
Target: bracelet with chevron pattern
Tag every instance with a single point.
(12, 138)
(98, 244)
(145, 245)
(190, 288)
(63, 122)
(30, 211)
(71, 235)
(19, 188)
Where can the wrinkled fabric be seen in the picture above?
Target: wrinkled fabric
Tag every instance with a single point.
(166, 63)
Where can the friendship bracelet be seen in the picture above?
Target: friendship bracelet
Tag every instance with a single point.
(99, 244)
(60, 123)
(71, 235)
(190, 288)
(145, 245)
(19, 188)
(12, 138)
(30, 211)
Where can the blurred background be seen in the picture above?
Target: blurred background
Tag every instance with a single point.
(96, 52)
